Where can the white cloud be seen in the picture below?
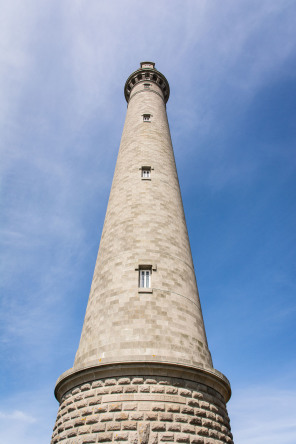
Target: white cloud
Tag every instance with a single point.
(16, 416)
(263, 415)
(62, 70)
(27, 417)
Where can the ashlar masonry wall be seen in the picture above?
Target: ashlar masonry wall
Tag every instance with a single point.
(143, 410)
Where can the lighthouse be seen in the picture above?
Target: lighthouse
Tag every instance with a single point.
(143, 372)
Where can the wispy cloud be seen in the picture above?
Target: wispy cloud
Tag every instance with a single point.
(31, 422)
(17, 415)
(262, 415)
(62, 71)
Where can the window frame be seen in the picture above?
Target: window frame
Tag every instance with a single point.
(145, 266)
(146, 173)
(146, 117)
(145, 278)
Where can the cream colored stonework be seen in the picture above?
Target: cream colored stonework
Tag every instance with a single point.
(144, 225)
(162, 325)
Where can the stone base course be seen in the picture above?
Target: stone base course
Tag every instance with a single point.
(142, 411)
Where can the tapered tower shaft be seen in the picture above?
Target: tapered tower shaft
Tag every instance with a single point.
(143, 320)
(144, 228)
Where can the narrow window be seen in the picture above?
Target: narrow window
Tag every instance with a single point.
(146, 117)
(146, 172)
(147, 85)
(145, 278)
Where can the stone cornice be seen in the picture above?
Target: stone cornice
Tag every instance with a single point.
(76, 376)
(147, 74)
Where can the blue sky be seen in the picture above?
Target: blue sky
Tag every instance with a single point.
(232, 69)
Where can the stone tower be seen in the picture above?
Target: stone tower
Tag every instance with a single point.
(143, 372)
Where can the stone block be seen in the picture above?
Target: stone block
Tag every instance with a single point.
(130, 406)
(120, 436)
(144, 389)
(158, 407)
(137, 380)
(182, 437)
(99, 427)
(103, 390)
(124, 381)
(68, 425)
(131, 389)
(129, 425)
(173, 427)
(213, 434)
(106, 417)
(113, 425)
(87, 439)
(83, 430)
(204, 405)
(185, 392)
(143, 432)
(166, 437)
(136, 416)
(92, 419)
(102, 408)
(206, 422)
(90, 393)
(151, 416)
(188, 428)
(144, 406)
(78, 422)
(174, 408)
(186, 410)
(200, 412)
(195, 420)
(150, 381)
(95, 400)
(171, 390)
(196, 440)
(72, 433)
(193, 403)
(105, 437)
(122, 416)
(115, 407)
(158, 389)
(213, 408)
(203, 431)
(97, 384)
(158, 426)
(116, 389)
(197, 395)
(110, 382)
(181, 418)
(86, 411)
(81, 404)
(165, 416)
(211, 416)
(133, 438)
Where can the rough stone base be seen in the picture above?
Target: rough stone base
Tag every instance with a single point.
(142, 410)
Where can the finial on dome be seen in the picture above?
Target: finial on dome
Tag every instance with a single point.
(149, 65)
